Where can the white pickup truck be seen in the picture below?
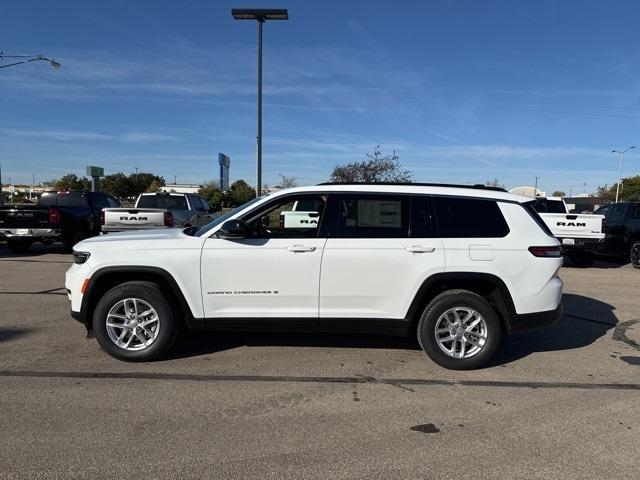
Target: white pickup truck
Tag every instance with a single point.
(581, 235)
(304, 214)
(159, 210)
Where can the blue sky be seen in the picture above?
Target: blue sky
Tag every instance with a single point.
(464, 91)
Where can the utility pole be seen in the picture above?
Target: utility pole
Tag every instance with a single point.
(535, 189)
(33, 185)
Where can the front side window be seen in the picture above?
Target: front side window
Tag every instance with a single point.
(289, 217)
(469, 218)
(373, 216)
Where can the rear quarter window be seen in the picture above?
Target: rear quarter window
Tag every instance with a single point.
(469, 218)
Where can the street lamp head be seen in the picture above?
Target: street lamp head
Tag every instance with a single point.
(614, 151)
(260, 14)
(54, 64)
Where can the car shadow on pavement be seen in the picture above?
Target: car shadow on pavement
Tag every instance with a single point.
(601, 262)
(584, 321)
(194, 344)
(8, 334)
(36, 249)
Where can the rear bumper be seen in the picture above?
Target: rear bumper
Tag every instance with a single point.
(50, 234)
(533, 321)
(581, 244)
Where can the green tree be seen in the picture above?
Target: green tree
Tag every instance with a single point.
(376, 168)
(154, 187)
(629, 191)
(141, 181)
(117, 184)
(72, 182)
(240, 192)
(558, 193)
(217, 198)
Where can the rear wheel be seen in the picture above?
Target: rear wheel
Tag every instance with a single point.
(459, 330)
(634, 256)
(134, 322)
(19, 246)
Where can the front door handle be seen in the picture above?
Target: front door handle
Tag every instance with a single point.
(300, 248)
(420, 249)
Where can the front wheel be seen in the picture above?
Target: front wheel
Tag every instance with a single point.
(635, 254)
(459, 330)
(134, 322)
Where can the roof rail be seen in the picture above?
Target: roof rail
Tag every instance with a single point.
(477, 186)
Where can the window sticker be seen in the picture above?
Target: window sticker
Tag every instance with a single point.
(379, 213)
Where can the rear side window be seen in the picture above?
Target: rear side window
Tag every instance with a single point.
(373, 216)
(544, 205)
(71, 200)
(171, 202)
(469, 218)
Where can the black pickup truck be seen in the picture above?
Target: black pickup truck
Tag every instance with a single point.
(66, 217)
(622, 231)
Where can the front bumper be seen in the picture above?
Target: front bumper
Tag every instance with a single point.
(533, 321)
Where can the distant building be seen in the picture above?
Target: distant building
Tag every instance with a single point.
(181, 188)
(528, 192)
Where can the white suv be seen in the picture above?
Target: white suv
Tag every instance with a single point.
(456, 265)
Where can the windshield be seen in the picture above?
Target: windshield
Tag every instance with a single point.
(205, 228)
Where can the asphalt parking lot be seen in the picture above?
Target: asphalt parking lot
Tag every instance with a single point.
(558, 403)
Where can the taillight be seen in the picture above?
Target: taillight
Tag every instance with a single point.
(168, 219)
(553, 252)
(604, 225)
(101, 217)
(281, 220)
(54, 216)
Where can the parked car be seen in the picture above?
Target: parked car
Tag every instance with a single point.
(581, 235)
(159, 210)
(457, 265)
(66, 217)
(622, 230)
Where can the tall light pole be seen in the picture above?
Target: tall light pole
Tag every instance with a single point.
(535, 189)
(620, 168)
(261, 15)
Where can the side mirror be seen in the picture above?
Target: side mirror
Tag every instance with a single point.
(232, 229)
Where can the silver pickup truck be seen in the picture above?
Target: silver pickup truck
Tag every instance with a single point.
(159, 210)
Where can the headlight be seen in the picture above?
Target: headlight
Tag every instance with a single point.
(80, 257)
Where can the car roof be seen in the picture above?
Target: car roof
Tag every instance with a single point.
(416, 188)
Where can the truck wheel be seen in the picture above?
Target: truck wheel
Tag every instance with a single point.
(635, 254)
(19, 246)
(459, 330)
(134, 322)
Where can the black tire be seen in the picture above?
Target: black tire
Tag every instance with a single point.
(634, 254)
(168, 321)
(453, 299)
(19, 246)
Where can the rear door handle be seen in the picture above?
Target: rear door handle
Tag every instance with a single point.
(420, 249)
(300, 248)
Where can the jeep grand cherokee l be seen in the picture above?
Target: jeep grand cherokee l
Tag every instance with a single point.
(458, 266)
